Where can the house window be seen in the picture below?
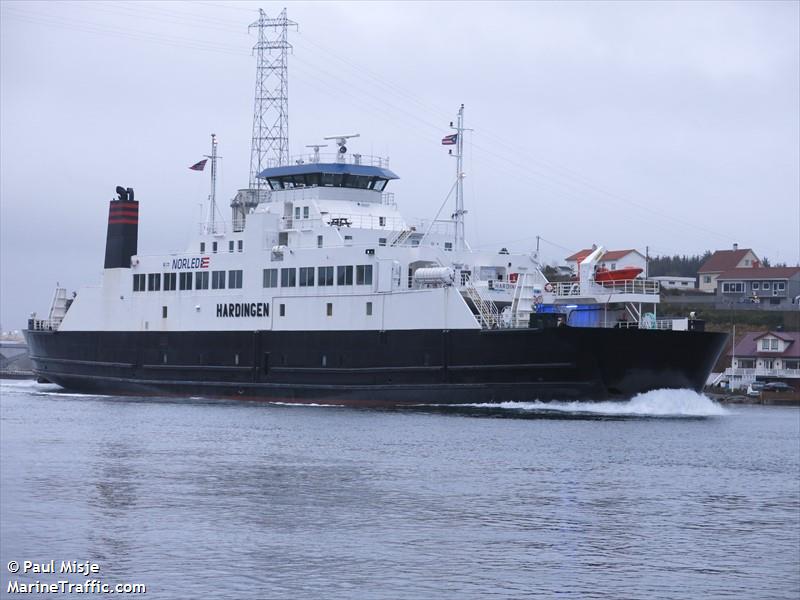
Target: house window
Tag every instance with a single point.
(765, 344)
(780, 286)
(364, 275)
(230, 246)
(185, 281)
(747, 363)
(235, 279)
(306, 276)
(319, 241)
(305, 212)
(791, 364)
(733, 287)
(170, 281)
(369, 309)
(288, 277)
(270, 278)
(773, 344)
(344, 275)
(329, 309)
(766, 285)
(201, 280)
(282, 310)
(214, 247)
(153, 282)
(746, 262)
(202, 246)
(325, 276)
(240, 245)
(138, 283)
(755, 285)
(217, 280)
(706, 278)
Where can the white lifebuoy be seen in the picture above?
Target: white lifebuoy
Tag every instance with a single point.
(548, 287)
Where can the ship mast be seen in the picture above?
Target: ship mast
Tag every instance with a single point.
(459, 213)
(212, 196)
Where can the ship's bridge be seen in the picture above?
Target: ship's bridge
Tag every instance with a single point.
(338, 174)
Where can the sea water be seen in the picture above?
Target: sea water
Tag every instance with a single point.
(668, 495)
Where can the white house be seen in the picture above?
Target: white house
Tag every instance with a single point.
(722, 261)
(611, 260)
(672, 282)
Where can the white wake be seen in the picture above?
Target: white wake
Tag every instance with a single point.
(657, 403)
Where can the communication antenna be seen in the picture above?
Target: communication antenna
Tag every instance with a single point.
(271, 111)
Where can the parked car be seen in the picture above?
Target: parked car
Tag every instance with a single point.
(778, 386)
(754, 389)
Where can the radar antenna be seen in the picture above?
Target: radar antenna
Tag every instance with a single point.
(316, 148)
(341, 140)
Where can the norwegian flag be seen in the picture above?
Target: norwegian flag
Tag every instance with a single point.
(450, 140)
(199, 166)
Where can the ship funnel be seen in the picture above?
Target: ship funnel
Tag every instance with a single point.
(123, 229)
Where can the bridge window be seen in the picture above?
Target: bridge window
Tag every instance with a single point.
(170, 279)
(185, 281)
(217, 280)
(344, 275)
(306, 276)
(325, 276)
(288, 277)
(138, 283)
(201, 280)
(235, 279)
(364, 275)
(270, 278)
(153, 282)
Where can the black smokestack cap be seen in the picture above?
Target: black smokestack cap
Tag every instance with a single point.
(123, 229)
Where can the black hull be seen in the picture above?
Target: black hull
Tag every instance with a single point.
(371, 368)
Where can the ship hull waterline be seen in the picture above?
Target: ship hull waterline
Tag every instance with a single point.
(379, 368)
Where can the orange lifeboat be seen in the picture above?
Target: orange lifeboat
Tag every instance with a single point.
(602, 274)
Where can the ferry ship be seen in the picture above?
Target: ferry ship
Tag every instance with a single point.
(319, 290)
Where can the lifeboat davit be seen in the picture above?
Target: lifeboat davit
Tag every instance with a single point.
(603, 274)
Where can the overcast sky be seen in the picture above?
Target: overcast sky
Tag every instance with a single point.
(669, 125)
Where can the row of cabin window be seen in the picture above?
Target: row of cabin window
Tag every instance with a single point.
(214, 247)
(328, 309)
(324, 276)
(282, 313)
(183, 281)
